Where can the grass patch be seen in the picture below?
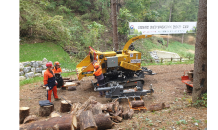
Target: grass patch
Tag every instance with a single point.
(50, 51)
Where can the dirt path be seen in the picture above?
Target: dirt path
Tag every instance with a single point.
(167, 86)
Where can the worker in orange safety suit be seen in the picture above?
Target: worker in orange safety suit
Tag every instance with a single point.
(50, 82)
(99, 76)
(57, 71)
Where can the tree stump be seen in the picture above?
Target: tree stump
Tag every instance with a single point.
(130, 113)
(24, 112)
(55, 114)
(30, 119)
(103, 121)
(156, 107)
(87, 121)
(139, 103)
(65, 107)
(46, 110)
(71, 88)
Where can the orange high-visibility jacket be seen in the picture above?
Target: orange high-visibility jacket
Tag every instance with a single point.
(57, 70)
(98, 72)
(47, 75)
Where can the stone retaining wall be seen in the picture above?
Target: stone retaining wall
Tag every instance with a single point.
(30, 69)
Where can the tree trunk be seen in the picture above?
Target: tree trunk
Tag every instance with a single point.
(87, 121)
(156, 107)
(24, 112)
(182, 37)
(46, 110)
(139, 103)
(169, 21)
(65, 106)
(103, 121)
(71, 88)
(30, 119)
(55, 123)
(114, 23)
(200, 63)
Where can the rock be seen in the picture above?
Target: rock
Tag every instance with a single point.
(38, 74)
(33, 70)
(26, 69)
(29, 75)
(63, 70)
(26, 63)
(43, 72)
(21, 73)
(38, 63)
(196, 123)
(44, 67)
(44, 60)
(39, 70)
(22, 78)
(33, 63)
(21, 66)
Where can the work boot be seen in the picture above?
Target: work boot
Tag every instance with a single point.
(56, 99)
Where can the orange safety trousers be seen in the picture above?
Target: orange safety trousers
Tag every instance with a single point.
(49, 92)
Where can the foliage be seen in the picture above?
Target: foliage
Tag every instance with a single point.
(202, 101)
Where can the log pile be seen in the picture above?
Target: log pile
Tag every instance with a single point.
(91, 115)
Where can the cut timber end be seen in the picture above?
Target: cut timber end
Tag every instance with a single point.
(139, 103)
(30, 119)
(46, 110)
(24, 112)
(65, 106)
(55, 114)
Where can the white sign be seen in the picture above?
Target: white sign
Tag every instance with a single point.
(147, 28)
(135, 61)
(131, 54)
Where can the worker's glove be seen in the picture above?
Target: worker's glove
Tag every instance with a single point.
(56, 83)
(94, 70)
(60, 73)
(47, 88)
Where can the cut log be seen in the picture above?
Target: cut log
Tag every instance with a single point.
(55, 114)
(156, 107)
(125, 113)
(139, 103)
(65, 78)
(130, 113)
(55, 123)
(65, 106)
(30, 119)
(67, 84)
(121, 108)
(75, 107)
(96, 110)
(117, 118)
(24, 112)
(46, 110)
(71, 88)
(103, 121)
(74, 121)
(87, 121)
(116, 106)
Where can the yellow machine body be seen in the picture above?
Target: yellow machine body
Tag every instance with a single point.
(127, 59)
